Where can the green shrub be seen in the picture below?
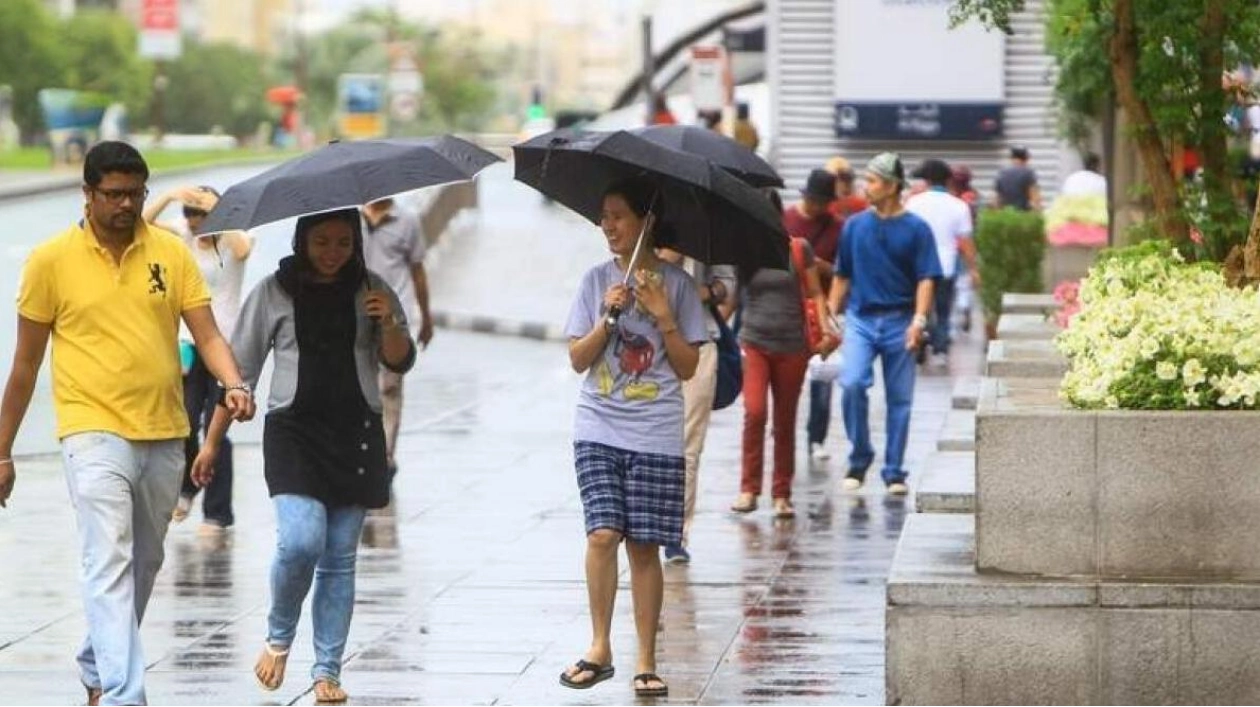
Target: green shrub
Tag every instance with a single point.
(1011, 245)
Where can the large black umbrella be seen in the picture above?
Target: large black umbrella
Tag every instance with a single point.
(717, 148)
(715, 217)
(345, 175)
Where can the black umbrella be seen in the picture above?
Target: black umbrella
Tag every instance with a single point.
(715, 217)
(717, 148)
(345, 175)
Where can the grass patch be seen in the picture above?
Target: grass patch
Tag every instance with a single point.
(37, 158)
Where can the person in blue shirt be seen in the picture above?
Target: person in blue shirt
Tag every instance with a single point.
(886, 268)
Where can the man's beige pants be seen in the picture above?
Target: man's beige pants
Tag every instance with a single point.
(697, 406)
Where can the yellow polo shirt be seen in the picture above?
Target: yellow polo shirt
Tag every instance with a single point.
(115, 327)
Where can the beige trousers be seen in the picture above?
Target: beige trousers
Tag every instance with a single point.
(697, 407)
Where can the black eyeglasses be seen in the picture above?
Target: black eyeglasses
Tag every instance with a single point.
(190, 212)
(116, 196)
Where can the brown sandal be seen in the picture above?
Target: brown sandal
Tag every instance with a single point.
(275, 660)
(783, 509)
(329, 692)
(93, 695)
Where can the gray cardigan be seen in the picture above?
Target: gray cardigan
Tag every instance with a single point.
(266, 324)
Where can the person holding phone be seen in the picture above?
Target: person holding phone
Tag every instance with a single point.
(330, 324)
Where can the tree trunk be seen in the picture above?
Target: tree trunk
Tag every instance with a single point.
(1124, 55)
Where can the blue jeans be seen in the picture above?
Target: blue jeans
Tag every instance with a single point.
(313, 540)
(942, 313)
(123, 494)
(201, 396)
(819, 410)
(865, 337)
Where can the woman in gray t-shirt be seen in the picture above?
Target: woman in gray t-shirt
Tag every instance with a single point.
(628, 432)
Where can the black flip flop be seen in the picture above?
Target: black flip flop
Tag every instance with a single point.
(650, 691)
(602, 673)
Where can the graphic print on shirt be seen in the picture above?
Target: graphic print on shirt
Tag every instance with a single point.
(157, 279)
(634, 354)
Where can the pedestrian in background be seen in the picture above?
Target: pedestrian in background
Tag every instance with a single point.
(776, 354)
(628, 433)
(744, 132)
(717, 286)
(811, 219)
(1016, 184)
(221, 259)
(849, 200)
(960, 186)
(330, 324)
(394, 246)
(885, 272)
(110, 292)
(950, 220)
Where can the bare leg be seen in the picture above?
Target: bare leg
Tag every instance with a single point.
(601, 589)
(647, 588)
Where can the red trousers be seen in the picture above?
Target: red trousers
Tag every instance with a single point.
(783, 375)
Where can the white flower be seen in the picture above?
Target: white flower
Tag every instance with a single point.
(1150, 347)
(1193, 372)
(1166, 370)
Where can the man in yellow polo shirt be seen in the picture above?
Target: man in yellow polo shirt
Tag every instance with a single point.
(110, 292)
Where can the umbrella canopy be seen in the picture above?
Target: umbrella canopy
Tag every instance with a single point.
(283, 94)
(716, 217)
(717, 148)
(345, 175)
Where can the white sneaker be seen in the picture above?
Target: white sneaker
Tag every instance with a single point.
(851, 483)
(940, 360)
(898, 489)
(818, 452)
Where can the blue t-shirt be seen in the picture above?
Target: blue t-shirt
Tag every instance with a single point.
(884, 259)
(631, 398)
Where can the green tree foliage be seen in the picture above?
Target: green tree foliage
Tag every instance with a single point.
(216, 86)
(457, 67)
(100, 49)
(30, 58)
(1163, 63)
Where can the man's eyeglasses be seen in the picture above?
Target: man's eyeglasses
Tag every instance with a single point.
(190, 212)
(115, 196)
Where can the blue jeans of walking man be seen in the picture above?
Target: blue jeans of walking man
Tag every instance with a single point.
(123, 492)
(314, 541)
(865, 337)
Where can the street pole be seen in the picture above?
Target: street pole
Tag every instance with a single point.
(649, 67)
(299, 43)
(158, 117)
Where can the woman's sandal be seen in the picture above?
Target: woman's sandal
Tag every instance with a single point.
(93, 695)
(275, 660)
(746, 503)
(329, 692)
(599, 673)
(783, 509)
(647, 689)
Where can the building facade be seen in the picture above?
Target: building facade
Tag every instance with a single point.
(858, 77)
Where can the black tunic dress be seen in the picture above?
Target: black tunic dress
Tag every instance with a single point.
(328, 445)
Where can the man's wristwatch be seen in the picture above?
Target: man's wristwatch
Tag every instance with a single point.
(244, 387)
(919, 321)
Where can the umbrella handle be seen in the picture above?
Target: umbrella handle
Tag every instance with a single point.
(610, 319)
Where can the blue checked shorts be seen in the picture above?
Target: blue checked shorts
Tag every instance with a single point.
(638, 495)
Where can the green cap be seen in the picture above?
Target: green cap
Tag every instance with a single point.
(887, 166)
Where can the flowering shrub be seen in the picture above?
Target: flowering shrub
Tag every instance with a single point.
(1156, 333)
(1067, 295)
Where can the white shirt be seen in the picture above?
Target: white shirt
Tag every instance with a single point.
(224, 275)
(392, 248)
(1084, 183)
(949, 218)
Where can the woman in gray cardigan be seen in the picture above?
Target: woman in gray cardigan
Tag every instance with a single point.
(330, 323)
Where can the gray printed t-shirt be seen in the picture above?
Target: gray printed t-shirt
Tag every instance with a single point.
(1012, 185)
(631, 398)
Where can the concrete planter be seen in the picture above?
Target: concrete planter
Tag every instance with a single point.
(1029, 303)
(1024, 359)
(1123, 494)
(955, 636)
(1026, 327)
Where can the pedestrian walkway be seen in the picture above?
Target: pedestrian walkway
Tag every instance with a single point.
(473, 592)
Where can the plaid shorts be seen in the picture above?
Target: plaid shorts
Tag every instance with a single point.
(636, 494)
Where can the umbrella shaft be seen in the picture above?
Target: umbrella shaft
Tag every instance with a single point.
(634, 257)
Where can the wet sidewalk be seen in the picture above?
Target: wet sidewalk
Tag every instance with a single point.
(473, 592)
